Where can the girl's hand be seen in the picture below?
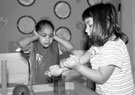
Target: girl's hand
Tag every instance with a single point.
(54, 70)
(72, 62)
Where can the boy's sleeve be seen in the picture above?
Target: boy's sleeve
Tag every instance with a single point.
(61, 49)
(27, 49)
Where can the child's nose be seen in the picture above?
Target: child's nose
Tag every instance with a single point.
(86, 31)
(48, 37)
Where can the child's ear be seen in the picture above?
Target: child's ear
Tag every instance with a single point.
(54, 32)
(35, 33)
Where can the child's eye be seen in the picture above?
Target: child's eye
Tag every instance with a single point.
(51, 35)
(90, 25)
(43, 35)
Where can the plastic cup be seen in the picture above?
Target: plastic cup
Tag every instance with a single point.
(59, 85)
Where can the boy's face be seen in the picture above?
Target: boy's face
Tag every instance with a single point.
(46, 36)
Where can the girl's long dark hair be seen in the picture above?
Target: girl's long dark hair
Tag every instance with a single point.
(105, 24)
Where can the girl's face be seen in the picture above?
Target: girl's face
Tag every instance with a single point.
(46, 36)
(89, 25)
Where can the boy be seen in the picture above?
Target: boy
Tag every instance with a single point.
(43, 49)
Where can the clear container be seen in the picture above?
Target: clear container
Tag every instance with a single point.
(59, 85)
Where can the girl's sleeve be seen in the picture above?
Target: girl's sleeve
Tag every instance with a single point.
(111, 55)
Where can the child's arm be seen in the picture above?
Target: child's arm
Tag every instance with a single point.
(68, 46)
(85, 58)
(99, 76)
(55, 71)
(24, 43)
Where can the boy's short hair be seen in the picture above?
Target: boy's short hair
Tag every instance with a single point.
(43, 23)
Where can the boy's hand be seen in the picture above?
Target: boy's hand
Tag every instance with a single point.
(54, 35)
(35, 34)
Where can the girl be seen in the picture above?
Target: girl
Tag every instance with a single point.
(108, 55)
